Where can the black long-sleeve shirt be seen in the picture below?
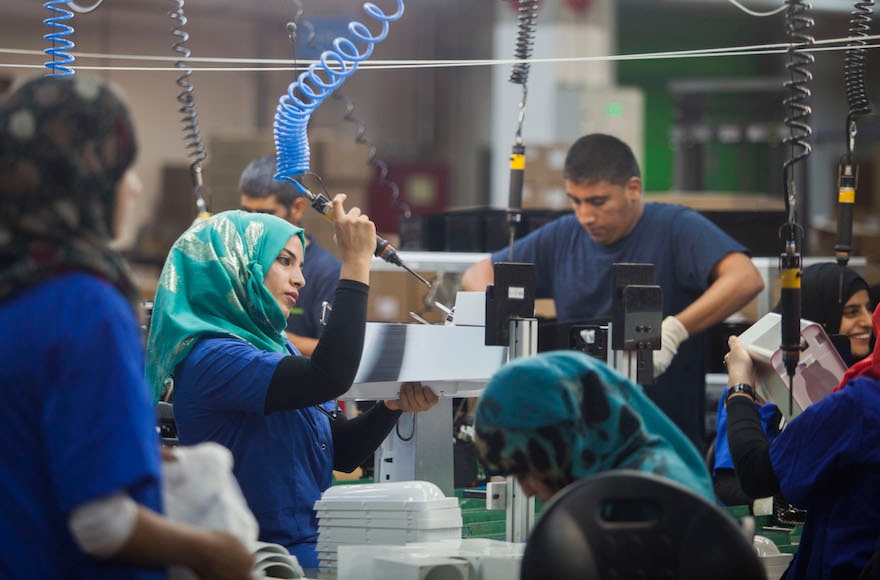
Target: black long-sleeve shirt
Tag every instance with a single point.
(750, 448)
(300, 381)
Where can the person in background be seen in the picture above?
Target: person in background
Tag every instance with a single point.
(705, 275)
(261, 193)
(80, 474)
(846, 317)
(826, 461)
(554, 418)
(217, 344)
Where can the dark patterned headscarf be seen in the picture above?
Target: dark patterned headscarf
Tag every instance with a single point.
(65, 143)
(560, 416)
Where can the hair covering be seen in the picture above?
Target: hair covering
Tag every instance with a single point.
(565, 415)
(820, 293)
(64, 145)
(212, 285)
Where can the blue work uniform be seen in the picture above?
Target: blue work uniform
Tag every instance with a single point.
(77, 421)
(576, 272)
(769, 421)
(283, 461)
(321, 272)
(827, 460)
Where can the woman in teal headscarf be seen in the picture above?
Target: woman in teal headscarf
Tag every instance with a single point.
(554, 418)
(217, 346)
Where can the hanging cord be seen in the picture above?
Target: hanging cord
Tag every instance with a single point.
(58, 37)
(314, 85)
(527, 13)
(263, 64)
(308, 91)
(753, 13)
(361, 127)
(859, 106)
(84, 9)
(189, 119)
(412, 432)
(797, 22)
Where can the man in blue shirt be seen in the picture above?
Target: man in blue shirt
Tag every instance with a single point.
(704, 274)
(261, 193)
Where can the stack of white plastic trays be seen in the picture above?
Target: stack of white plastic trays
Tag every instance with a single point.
(384, 513)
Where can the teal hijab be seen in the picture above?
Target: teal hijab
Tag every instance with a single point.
(564, 415)
(212, 286)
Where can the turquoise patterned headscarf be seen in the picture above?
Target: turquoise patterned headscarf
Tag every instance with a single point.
(564, 415)
(212, 285)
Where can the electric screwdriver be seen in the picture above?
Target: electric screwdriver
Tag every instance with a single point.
(384, 249)
(790, 302)
(847, 172)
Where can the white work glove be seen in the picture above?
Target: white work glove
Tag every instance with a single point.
(672, 334)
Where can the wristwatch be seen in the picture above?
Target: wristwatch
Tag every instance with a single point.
(740, 388)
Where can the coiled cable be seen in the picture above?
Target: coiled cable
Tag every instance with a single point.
(315, 84)
(527, 12)
(848, 166)
(854, 68)
(58, 37)
(797, 22)
(189, 117)
(797, 120)
(349, 115)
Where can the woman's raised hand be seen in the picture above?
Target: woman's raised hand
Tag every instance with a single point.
(356, 238)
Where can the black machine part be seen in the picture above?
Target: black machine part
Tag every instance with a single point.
(511, 296)
(637, 316)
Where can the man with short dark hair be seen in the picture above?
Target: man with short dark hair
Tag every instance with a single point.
(704, 274)
(261, 193)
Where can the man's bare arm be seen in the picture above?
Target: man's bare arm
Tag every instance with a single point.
(478, 276)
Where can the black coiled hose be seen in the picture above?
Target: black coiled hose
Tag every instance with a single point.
(186, 97)
(797, 120)
(854, 65)
(527, 13)
(360, 137)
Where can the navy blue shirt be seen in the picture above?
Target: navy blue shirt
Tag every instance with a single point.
(576, 272)
(321, 271)
(283, 461)
(827, 461)
(77, 420)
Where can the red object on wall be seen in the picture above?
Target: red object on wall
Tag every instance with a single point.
(579, 5)
(423, 187)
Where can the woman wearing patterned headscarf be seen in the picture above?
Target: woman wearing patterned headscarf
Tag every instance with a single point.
(217, 345)
(554, 418)
(79, 473)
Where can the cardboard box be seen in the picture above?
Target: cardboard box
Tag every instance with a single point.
(335, 155)
(718, 200)
(394, 294)
(544, 187)
(866, 238)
